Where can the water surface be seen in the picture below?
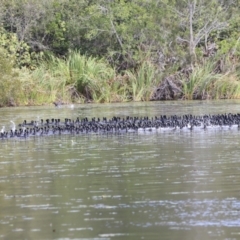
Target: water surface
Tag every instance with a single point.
(166, 185)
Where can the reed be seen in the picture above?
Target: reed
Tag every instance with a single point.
(200, 82)
(142, 82)
(44, 85)
(94, 78)
(227, 87)
(79, 78)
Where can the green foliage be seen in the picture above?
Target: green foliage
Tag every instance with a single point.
(45, 84)
(201, 82)
(94, 78)
(213, 80)
(18, 51)
(56, 31)
(73, 79)
(116, 30)
(227, 87)
(9, 83)
(125, 46)
(142, 82)
(230, 38)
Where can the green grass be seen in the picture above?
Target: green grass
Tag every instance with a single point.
(205, 83)
(78, 78)
(142, 82)
(200, 83)
(227, 87)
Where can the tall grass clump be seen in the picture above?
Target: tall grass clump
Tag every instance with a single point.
(45, 84)
(142, 81)
(94, 78)
(227, 87)
(217, 78)
(61, 85)
(76, 78)
(200, 82)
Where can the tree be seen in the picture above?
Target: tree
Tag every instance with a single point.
(198, 19)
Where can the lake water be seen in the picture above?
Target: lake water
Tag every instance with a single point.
(165, 185)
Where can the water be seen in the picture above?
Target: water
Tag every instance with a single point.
(167, 185)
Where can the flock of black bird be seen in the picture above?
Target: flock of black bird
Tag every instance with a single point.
(128, 124)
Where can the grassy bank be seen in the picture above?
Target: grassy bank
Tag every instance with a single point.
(79, 78)
(126, 51)
(213, 80)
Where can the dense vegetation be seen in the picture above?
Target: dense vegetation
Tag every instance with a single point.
(118, 50)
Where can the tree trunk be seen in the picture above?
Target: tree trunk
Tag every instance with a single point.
(191, 6)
